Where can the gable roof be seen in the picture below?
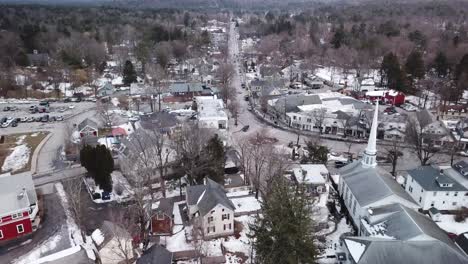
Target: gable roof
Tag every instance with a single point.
(291, 102)
(110, 230)
(371, 250)
(186, 87)
(165, 206)
(11, 188)
(156, 254)
(429, 178)
(370, 185)
(207, 196)
(87, 122)
(424, 117)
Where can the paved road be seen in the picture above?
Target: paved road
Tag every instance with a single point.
(408, 161)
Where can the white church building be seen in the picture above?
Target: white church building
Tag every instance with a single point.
(363, 185)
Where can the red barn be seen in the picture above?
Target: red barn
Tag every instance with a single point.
(394, 97)
(162, 218)
(19, 207)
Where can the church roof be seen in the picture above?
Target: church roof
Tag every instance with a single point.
(372, 184)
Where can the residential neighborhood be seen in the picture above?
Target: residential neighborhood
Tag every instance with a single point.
(230, 132)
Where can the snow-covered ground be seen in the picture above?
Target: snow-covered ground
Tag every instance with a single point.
(333, 240)
(121, 189)
(246, 204)
(447, 223)
(19, 157)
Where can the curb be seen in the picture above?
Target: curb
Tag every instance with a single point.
(34, 159)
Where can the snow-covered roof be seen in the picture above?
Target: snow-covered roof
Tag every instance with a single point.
(210, 108)
(311, 173)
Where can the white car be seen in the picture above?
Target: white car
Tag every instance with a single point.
(24, 119)
(71, 106)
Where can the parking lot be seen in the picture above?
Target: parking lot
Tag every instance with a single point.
(27, 115)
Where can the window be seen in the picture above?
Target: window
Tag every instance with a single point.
(17, 215)
(420, 199)
(294, 117)
(454, 203)
(1, 234)
(210, 219)
(432, 204)
(410, 189)
(230, 227)
(20, 228)
(455, 194)
(208, 230)
(213, 229)
(435, 193)
(225, 216)
(422, 190)
(213, 211)
(159, 216)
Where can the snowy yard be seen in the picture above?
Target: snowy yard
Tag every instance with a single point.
(121, 189)
(246, 204)
(17, 149)
(447, 223)
(333, 240)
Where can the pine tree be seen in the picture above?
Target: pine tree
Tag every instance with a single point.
(462, 67)
(129, 73)
(215, 158)
(105, 167)
(415, 65)
(391, 71)
(339, 38)
(441, 64)
(283, 233)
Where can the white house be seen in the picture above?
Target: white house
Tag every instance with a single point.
(313, 175)
(113, 242)
(209, 206)
(433, 187)
(363, 185)
(211, 112)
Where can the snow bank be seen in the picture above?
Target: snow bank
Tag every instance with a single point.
(97, 237)
(58, 255)
(74, 232)
(17, 159)
(36, 253)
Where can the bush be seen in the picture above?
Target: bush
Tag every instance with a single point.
(461, 215)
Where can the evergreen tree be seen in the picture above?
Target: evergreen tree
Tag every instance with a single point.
(462, 67)
(339, 37)
(391, 71)
(99, 163)
(415, 65)
(283, 233)
(317, 153)
(441, 64)
(215, 156)
(129, 73)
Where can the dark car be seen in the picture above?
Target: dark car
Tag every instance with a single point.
(45, 118)
(52, 119)
(3, 120)
(38, 119)
(339, 164)
(245, 128)
(14, 124)
(44, 103)
(6, 108)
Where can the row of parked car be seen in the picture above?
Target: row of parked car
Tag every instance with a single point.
(7, 121)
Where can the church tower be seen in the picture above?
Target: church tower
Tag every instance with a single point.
(369, 160)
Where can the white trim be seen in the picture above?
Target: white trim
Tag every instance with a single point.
(17, 229)
(1, 234)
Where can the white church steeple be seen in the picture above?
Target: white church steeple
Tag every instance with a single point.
(369, 160)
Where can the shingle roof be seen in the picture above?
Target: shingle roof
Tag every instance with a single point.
(424, 117)
(87, 122)
(370, 185)
(429, 178)
(165, 206)
(462, 242)
(156, 254)
(110, 230)
(186, 87)
(206, 197)
(385, 251)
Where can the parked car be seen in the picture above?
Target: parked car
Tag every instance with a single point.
(13, 108)
(6, 108)
(30, 119)
(52, 119)
(45, 118)
(3, 120)
(59, 118)
(245, 128)
(37, 119)
(44, 103)
(24, 119)
(33, 109)
(14, 124)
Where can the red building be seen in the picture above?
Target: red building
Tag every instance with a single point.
(162, 218)
(18, 207)
(388, 96)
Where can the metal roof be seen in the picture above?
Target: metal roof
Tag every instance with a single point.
(369, 185)
(87, 122)
(429, 178)
(385, 251)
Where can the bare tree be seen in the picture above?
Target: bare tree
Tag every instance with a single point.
(420, 141)
(189, 145)
(73, 189)
(225, 73)
(156, 75)
(394, 153)
(234, 109)
(121, 230)
(318, 115)
(105, 113)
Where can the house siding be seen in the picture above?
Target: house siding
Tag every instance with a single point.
(218, 223)
(161, 227)
(9, 228)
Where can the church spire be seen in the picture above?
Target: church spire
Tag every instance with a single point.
(369, 159)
